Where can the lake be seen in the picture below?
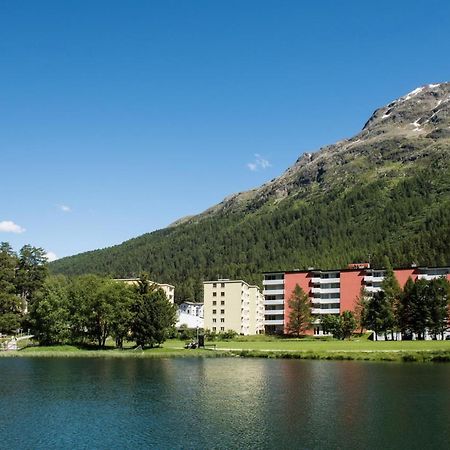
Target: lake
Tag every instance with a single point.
(222, 403)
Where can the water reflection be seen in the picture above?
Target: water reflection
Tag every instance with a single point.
(222, 403)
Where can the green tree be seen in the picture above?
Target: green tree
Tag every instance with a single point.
(340, 326)
(31, 272)
(122, 298)
(348, 324)
(377, 317)
(438, 294)
(393, 295)
(153, 315)
(82, 291)
(10, 304)
(419, 308)
(300, 318)
(405, 310)
(49, 312)
(331, 323)
(361, 309)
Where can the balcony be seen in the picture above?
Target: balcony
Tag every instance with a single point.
(279, 301)
(318, 280)
(274, 322)
(427, 276)
(272, 282)
(320, 290)
(372, 279)
(320, 311)
(273, 292)
(274, 312)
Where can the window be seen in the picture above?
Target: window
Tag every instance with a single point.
(214, 328)
(214, 285)
(222, 294)
(214, 320)
(214, 294)
(222, 311)
(222, 285)
(222, 328)
(214, 302)
(222, 302)
(214, 311)
(222, 320)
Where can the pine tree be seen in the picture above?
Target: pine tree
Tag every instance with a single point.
(300, 318)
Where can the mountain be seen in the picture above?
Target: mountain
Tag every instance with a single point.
(385, 191)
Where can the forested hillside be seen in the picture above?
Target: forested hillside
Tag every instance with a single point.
(384, 192)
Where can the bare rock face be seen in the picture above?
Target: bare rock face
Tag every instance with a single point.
(403, 131)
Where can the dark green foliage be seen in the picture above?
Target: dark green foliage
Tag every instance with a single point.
(378, 316)
(393, 294)
(10, 305)
(424, 307)
(31, 272)
(153, 315)
(49, 312)
(340, 326)
(21, 278)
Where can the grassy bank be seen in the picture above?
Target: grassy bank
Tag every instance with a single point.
(357, 349)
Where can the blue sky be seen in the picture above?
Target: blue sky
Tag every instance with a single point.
(118, 117)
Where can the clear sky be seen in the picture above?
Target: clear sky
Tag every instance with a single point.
(117, 117)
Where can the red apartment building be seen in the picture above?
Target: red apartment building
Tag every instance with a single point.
(331, 291)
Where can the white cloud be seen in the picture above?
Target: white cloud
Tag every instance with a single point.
(65, 208)
(51, 256)
(8, 226)
(259, 163)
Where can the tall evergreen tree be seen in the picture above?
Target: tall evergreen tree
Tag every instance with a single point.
(153, 316)
(10, 305)
(300, 318)
(393, 294)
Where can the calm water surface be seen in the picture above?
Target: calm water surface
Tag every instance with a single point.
(222, 403)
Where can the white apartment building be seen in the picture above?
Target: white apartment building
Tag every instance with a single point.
(168, 289)
(194, 309)
(233, 305)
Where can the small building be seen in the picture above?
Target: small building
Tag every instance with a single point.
(168, 289)
(194, 309)
(233, 305)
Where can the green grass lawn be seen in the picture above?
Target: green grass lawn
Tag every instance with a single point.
(267, 347)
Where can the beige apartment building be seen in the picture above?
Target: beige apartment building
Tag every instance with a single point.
(168, 289)
(233, 305)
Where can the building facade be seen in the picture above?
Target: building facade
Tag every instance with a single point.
(330, 291)
(233, 305)
(191, 308)
(190, 314)
(168, 289)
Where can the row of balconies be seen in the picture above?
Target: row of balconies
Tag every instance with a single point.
(316, 290)
(272, 282)
(318, 280)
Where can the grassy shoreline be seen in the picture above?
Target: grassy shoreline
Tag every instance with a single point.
(357, 350)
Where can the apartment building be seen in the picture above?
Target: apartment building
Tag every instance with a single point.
(330, 291)
(191, 308)
(233, 305)
(168, 289)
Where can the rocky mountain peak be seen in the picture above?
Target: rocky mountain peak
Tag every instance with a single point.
(420, 111)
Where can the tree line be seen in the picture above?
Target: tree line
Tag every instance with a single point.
(84, 309)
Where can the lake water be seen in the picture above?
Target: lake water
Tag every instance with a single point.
(222, 403)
